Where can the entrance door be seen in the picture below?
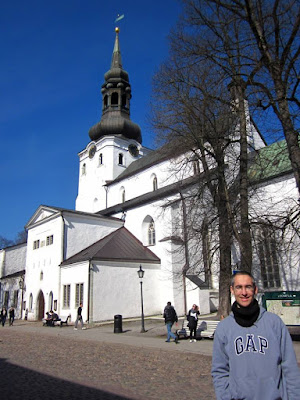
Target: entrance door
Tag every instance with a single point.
(41, 306)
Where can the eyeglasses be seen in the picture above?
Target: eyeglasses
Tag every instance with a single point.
(248, 288)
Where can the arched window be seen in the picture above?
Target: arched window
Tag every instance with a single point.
(30, 302)
(114, 99)
(123, 196)
(100, 159)
(124, 105)
(120, 159)
(154, 183)
(83, 169)
(41, 275)
(105, 101)
(151, 234)
(148, 231)
(50, 301)
(196, 167)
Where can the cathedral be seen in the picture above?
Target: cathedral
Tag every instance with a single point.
(126, 217)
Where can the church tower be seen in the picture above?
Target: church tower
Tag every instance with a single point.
(115, 140)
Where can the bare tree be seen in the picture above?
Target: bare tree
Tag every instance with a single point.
(268, 59)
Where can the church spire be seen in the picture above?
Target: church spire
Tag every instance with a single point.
(116, 95)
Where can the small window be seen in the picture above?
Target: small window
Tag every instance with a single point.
(83, 169)
(196, 167)
(151, 234)
(49, 240)
(114, 99)
(123, 196)
(79, 294)
(6, 298)
(154, 183)
(120, 159)
(41, 275)
(124, 101)
(100, 159)
(66, 294)
(105, 101)
(36, 244)
(30, 302)
(16, 296)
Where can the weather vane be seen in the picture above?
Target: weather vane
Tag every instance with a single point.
(119, 17)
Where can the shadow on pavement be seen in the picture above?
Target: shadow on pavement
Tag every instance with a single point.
(22, 383)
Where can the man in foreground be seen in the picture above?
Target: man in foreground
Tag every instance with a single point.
(253, 354)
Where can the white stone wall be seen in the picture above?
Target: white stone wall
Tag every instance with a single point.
(117, 290)
(72, 275)
(45, 260)
(82, 231)
(91, 191)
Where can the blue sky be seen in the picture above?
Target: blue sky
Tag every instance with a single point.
(53, 59)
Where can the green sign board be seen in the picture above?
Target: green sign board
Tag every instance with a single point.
(286, 304)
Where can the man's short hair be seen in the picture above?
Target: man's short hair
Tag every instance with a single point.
(242, 273)
(168, 303)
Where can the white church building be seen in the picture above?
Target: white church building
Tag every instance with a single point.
(125, 217)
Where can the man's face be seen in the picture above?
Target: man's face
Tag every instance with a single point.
(243, 290)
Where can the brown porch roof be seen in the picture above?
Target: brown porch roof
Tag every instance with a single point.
(120, 245)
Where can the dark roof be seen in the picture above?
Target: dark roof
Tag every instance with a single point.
(155, 157)
(270, 162)
(119, 245)
(14, 275)
(155, 195)
(197, 281)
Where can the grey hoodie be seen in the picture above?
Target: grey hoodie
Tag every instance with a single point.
(255, 363)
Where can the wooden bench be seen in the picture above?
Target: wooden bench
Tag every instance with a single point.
(204, 329)
(62, 321)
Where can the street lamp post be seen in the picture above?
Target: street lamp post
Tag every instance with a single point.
(21, 286)
(141, 275)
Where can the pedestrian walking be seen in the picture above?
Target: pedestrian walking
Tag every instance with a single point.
(79, 318)
(170, 317)
(192, 317)
(253, 354)
(11, 313)
(3, 315)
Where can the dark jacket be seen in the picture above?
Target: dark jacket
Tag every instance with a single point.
(170, 314)
(192, 317)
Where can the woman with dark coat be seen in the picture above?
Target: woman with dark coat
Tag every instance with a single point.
(192, 317)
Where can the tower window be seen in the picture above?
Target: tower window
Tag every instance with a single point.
(154, 183)
(114, 99)
(100, 159)
(120, 159)
(124, 100)
(123, 196)
(83, 169)
(105, 101)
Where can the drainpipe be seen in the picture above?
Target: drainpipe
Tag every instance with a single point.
(90, 294)
(186, 251)
(106, 190)
(62, 259)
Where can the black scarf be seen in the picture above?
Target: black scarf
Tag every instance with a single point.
(246, 316)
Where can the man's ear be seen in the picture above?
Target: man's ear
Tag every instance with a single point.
(255, 290)
(231, 289)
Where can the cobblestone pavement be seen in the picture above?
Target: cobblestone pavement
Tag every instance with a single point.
(39, 362)
(46, 363)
